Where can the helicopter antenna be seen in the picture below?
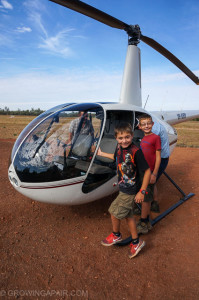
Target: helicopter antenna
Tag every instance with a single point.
(146, 101)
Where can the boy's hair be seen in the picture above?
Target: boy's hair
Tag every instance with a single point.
(144, 117)
(123, 127)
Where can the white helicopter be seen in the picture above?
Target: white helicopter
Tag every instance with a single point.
(54, 160)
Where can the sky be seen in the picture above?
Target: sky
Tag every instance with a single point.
(51, 55)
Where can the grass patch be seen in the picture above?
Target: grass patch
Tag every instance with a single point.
(188, 134)
(11, 126)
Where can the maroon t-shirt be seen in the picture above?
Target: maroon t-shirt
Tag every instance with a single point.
(149, 145)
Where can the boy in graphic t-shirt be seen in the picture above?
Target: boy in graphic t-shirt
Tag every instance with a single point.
(130, 163)
(151, 148)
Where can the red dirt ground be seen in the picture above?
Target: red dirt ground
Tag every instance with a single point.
(54, 252)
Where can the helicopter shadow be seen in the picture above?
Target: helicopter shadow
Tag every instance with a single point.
(95, 209)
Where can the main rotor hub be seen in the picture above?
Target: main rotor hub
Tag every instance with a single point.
(134, 34)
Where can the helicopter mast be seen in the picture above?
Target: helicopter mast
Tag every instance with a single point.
(131, 82)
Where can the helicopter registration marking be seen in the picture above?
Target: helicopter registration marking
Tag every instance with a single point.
(181, 116)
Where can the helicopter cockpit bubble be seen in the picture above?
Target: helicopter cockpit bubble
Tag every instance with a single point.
(51, 149)
(33, 123)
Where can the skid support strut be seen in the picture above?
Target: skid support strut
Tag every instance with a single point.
(166, 212)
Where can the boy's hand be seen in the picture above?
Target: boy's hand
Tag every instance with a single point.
(99, 152)
(104, 154)
(153, 179)
(139, 198)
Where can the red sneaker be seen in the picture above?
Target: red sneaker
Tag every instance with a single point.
(111, 239)
(135, 249)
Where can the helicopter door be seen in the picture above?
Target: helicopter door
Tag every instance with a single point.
(102, 168)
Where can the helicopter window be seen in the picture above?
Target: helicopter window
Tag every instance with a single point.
(32, 124)
(52, 150)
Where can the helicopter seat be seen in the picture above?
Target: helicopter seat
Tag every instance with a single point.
(95, 168)
(82, 145)
(108, 144)
(101, 165)
(80, 149)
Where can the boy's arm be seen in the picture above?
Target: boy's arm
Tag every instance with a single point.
(157, 165)
(139, 196)
(104, 154)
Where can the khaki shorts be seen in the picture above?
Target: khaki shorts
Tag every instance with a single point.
(122, 206)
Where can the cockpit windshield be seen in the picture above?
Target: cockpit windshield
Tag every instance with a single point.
(52, 149)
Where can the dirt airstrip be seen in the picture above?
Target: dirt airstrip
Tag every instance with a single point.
(54, 252)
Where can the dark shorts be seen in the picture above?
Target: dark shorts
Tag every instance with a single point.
(149, 197)
(150, 188)
(122, 206)
(163, 165)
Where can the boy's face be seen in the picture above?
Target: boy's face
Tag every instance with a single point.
(146, 125)
(124, 139)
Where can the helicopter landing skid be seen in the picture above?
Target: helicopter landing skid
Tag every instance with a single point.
(165, 213)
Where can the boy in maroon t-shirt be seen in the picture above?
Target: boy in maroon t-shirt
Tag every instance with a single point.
(151, 148)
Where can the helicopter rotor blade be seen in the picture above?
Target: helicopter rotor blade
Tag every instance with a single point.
(92, 12)
(159, 48)
(132, 31)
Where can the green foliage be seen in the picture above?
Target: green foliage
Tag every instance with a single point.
(32, 112)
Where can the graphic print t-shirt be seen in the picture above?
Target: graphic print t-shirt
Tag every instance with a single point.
(130, 161)
(149, 145)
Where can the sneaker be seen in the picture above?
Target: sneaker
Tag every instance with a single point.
(155, 207)
(135, 249)
(149, 226)
(143, 227)
(111, 239)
